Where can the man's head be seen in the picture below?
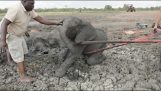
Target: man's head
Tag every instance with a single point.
(28, 4)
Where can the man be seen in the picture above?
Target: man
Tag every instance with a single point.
(158, 19)
(73, 33)
(14, 27)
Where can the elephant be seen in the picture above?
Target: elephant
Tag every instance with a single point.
(75, 31)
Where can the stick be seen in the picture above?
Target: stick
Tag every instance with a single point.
(120, 41)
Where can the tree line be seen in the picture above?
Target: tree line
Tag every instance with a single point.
(106, 8)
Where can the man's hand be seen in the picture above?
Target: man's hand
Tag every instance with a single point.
(59, 23)
(27, 34)
(155, 30)
(3, 45)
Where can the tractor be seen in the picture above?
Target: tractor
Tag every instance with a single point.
(129, 8)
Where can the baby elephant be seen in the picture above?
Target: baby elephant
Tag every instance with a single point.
(73, 33)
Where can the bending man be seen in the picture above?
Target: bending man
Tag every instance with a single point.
(14, 27)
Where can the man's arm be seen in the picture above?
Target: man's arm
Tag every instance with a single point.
(45, 21)
(4, 26)
(158, 19)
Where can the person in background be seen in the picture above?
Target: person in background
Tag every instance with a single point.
(157, 23)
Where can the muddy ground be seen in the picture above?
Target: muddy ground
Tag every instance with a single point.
(129, 67)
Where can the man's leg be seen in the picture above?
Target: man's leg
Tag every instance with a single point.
(17, 49)
(9, 58)
(22, 72)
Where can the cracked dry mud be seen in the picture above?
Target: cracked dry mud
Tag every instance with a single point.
(129, 67)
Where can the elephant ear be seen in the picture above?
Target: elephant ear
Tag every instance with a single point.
(71, 26)
(71, 33)
(86, 33)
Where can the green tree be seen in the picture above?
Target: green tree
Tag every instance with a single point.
(108, 7)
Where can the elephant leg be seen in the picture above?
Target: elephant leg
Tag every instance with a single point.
(61, 71)
(96, 59)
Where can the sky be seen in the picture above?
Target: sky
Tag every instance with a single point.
(82, 4)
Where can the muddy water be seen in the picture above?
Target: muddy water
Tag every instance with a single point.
(126, 67)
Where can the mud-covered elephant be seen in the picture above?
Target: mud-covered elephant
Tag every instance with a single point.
(74, 32)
